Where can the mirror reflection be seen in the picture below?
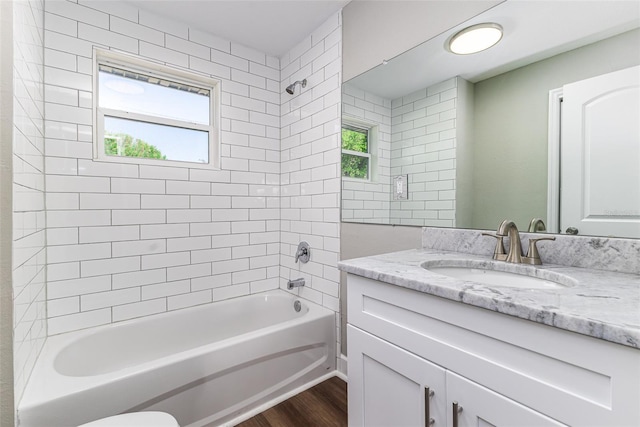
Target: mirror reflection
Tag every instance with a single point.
(437, 139)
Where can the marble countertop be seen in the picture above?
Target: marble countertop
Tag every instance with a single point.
(597, 303)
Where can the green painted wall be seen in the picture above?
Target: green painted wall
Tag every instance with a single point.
(510, 130)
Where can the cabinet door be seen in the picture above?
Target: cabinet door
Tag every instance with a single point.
(389, 386)
(482, 407)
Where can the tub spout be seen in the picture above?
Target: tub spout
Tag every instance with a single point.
(295, 283)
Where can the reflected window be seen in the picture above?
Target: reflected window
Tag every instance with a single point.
(148, 113)
(356, 155)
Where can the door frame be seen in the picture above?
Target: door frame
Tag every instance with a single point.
(553, 161)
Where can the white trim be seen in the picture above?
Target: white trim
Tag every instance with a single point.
(342, 368)
(553, 162)
(133, 63)
(342, 376)
(121, 114)
(352, 179)
(356, 153)
(357, 122)
(154, 68)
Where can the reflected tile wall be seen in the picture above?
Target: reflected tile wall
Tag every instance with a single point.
(369, 201)
(423, 146)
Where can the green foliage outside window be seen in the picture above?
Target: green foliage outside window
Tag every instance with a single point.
(355, 166)
(129, 147)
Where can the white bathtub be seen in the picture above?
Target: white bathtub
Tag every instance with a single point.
(204, 365)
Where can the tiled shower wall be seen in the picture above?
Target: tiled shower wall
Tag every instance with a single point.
(369, 201)
(127, 241)
(311, 163)
(28, 190)
(424, 147)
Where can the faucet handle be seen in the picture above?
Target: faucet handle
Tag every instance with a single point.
(498, 253)
(533, 256)
(303, 253)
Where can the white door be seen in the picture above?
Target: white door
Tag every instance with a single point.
(390, 387)
(600, 155)
(478, 406)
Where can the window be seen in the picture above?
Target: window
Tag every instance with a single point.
(148, 113)
(356, 156)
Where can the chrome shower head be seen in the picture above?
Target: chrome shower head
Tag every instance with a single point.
(292, 87)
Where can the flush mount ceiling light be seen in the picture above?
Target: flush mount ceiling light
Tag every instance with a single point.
(475, 38)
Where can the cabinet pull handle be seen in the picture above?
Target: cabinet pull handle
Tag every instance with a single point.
(456, 410)
(428, 394)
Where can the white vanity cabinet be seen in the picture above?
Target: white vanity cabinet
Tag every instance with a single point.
(389, 386)
(502, 370)
(479, 406)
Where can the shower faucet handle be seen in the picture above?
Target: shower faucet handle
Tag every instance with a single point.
(303, 253)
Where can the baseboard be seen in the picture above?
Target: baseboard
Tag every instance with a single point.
(342, 371)
(255, 411)
(342, 376)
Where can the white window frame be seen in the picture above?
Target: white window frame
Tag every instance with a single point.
(135, 64)
(372, 139)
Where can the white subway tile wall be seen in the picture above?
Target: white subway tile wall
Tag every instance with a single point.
(417, 138)
(30, 329)
(423, 141)
(127, 240)
(135, 240)
(310, 164)
(369, 201)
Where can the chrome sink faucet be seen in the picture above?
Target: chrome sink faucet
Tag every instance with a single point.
(536, 225)
(508, 228)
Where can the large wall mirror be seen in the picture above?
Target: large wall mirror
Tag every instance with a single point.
(545, 124)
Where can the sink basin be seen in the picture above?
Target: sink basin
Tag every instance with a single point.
(494, 274)
(495, 278)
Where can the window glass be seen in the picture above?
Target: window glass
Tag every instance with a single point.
(355, 166)
(138, 93)
(355, 152)
(355, 139)
(132, 138)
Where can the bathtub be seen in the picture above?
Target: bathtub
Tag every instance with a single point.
(205, 365)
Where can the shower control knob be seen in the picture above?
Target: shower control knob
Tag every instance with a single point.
(303, 253)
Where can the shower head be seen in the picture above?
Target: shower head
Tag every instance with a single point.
(292, 87)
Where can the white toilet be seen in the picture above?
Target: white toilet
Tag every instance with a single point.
(136, 419)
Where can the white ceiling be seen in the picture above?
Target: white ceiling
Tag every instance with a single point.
(270, 26)
(533, 30)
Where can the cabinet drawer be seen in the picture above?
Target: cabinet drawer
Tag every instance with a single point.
(479, 406)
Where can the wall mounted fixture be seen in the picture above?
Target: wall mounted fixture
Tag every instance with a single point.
(292, 87)
(303, 253)
(475, 38)
(296, 283)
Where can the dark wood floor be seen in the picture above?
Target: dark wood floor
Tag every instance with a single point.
(324, 405)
